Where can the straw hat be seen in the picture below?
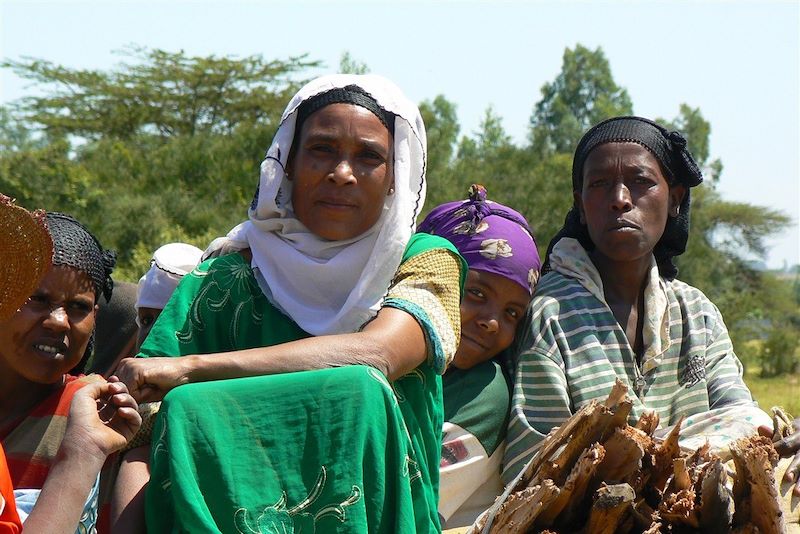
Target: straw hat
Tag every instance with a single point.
(26, 253)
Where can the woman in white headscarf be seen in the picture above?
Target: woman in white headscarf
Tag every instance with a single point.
(328, 279)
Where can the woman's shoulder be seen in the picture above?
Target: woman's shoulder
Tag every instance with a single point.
(220, 263)
(556, 291)
(688, 296)
(422, 242)
(432, 253)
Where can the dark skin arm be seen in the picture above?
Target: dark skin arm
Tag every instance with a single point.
(788, 447)
(393, 343)
(102, 418)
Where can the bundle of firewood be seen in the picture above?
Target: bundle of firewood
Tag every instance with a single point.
(597, 474)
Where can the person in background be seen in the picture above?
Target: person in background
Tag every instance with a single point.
(609, 305)
(56, 429)
(169, 265)
(115, 330)
(503, 261)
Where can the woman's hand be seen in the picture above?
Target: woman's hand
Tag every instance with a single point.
(149, 379)
(103, 417)
(788, 446)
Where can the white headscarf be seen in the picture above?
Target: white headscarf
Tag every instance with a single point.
(330, 287)
(169, 264)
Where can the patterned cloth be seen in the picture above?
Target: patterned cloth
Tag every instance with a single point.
(476, 403)
(491, 237)
(334, 450)
(574, 350)
(31, 445)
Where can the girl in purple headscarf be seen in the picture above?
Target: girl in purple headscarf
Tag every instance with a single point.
(503, 269)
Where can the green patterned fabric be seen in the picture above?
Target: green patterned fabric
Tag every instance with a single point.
(334, 450)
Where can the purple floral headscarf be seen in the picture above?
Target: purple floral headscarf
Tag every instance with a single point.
(491, 237)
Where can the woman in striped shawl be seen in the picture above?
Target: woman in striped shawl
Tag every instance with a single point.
(610, 306)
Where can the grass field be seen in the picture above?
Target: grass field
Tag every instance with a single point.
(781, 391)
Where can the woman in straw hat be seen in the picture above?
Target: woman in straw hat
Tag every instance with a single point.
(54, 438)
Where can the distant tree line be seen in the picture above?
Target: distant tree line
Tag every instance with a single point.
(166, 147)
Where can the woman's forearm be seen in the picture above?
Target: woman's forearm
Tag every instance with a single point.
(60, 504)
(393, 343)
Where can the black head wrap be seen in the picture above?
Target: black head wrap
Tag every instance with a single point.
(677, 162)
(350, 94)
(75, 246)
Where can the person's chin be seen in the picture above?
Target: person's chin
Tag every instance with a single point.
(467, 358)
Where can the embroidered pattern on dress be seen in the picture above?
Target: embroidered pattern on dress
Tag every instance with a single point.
(160, 447)
(694, 372)
(280, 519)
(236, 274)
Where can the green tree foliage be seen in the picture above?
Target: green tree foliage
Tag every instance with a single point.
(724, 239)
(350, 65)
(163, 147)
(583, 94)
(159, 92)
(166, 147)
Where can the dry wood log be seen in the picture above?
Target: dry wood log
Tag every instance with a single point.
(555, 440)
(624, 452)
(754, 489)
(600, 422)
(574, 491)
(749, 528)
(644, 485)
(648, 422)
(681, 480)
(654, 528)
(678, 508)
(716, 507)
(617, 394)
(620, 418)
(663, 457)
(701, 456)
(519, 512)
(610, 509)
(560, 435)
(644, 515)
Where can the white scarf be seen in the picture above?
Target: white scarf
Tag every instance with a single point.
(330, 287)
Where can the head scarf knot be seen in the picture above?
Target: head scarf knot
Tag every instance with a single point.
(491, 237)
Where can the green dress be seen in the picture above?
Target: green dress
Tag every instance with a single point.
(334, 450)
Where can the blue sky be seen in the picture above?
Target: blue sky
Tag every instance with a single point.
(739, 62)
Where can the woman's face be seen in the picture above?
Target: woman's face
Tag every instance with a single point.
(48, 335)
(341, 170)
(492, 307)
(625, 200)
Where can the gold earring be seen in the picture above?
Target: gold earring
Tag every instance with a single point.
(391, 191)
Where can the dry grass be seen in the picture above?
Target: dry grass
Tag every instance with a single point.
(781, 391)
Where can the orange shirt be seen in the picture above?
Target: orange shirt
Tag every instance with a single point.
(9, 520)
